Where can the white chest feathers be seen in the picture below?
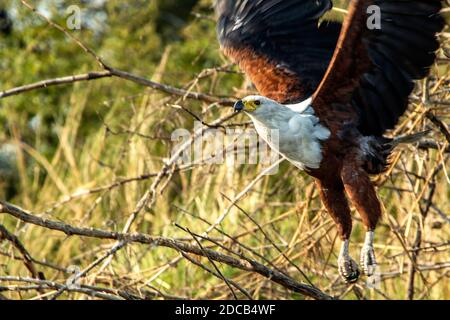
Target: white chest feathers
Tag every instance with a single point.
(295, 135)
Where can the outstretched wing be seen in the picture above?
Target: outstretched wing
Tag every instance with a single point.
(372, 72)
(279, 43)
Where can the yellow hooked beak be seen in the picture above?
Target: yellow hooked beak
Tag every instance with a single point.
(247, 105)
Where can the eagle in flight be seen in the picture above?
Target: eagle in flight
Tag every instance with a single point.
(332, 90)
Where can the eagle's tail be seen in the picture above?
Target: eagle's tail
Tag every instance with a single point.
(408, 139)
(381, 148)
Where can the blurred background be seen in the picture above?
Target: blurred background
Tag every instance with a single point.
(65, 150)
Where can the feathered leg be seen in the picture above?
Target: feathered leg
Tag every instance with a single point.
(334, 199)
(362, 194)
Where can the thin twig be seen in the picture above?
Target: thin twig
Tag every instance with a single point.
(252, 266)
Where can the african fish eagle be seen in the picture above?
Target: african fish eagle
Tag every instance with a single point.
(332, 90)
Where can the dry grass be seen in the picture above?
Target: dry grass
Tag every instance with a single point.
(85, 187)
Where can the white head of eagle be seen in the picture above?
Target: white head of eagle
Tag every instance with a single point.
(299, 130)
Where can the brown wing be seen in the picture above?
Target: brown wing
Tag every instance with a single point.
(278, 43)
(372, 72)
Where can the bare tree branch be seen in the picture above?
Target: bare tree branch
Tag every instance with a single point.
(250, 265)
(111, 72)
(27, 259)
(439, 124)
(54, 82)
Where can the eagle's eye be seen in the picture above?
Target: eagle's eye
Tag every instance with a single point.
(257, 102)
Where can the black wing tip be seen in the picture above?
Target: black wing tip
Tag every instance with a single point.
(402, 59)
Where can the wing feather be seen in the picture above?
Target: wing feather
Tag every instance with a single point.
(372, 72)
(278, 43)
